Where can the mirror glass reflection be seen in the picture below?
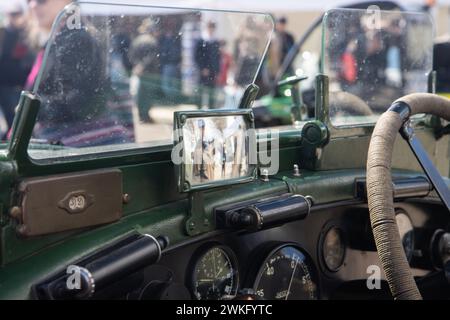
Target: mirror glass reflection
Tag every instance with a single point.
(215, 148)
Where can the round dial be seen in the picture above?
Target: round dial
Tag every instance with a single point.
(333, 249)
(286, 274)
(215, 274)
(406, 230)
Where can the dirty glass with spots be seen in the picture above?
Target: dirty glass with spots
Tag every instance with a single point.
(113, 75)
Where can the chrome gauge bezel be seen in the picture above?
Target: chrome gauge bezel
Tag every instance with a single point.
(328, 227)
(196, 260)
(307, 261)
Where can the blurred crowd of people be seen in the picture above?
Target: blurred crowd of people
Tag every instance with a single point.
(164, 57)
(160, 59)
(26, 26)
(16, 59)
(156, 55)
(281, 43)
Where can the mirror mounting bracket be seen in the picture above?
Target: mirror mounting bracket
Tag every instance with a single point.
(322, 98)
(249, 97)
(198, 221)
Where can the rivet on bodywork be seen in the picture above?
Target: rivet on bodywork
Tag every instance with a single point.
(296, 171)
(126, 198)
(265, 175)
(16, 213)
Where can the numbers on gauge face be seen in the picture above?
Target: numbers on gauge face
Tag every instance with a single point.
(215, 274)
(286, 274)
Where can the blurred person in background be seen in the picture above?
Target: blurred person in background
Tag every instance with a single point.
(246, 50)
(281, 42)
(75, 88)
(43, 13)
(284, 40)
(226, 64)
(170, 58)
(16, 59)
(428, 5)
(145, 56)
(207, 58)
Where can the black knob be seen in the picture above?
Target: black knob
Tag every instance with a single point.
(241, 219)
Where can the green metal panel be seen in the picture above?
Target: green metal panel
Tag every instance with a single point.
(328, 168)
(17, 276)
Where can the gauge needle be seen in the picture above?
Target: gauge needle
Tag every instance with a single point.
(292, 278)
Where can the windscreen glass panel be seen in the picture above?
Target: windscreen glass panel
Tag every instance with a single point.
(372, 58)
(113, 75)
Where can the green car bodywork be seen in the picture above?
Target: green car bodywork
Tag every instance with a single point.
(330, 159)
(156, 207)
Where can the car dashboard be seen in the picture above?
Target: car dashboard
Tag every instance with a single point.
(326, 253)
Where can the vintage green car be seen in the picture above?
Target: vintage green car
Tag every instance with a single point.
(198, 204)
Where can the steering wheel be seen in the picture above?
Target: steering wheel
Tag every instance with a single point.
(380, 189)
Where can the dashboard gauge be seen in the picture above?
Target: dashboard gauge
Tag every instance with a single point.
(215, 274)
(286, 274)
(333, 249)
(406, 230)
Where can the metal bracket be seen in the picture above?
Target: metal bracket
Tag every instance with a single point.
(407, 132)
(198, 222)
(249, 96)
(23, 126)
